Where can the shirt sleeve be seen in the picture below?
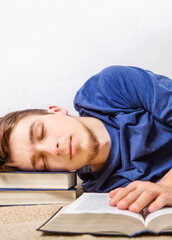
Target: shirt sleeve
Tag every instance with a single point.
(135, 88)
(119, 89)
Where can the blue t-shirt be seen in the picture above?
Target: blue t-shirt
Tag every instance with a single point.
(135, 106)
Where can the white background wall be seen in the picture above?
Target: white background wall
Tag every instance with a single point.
(49, 48)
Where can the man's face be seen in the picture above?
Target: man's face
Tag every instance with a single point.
(53, 142)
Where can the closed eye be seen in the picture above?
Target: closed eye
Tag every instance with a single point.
(43, 132)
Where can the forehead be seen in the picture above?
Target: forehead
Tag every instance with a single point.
(19, 142)
(22, 127)
(21, 130)
(20, 145)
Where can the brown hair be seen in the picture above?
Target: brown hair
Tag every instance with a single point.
(7, 124)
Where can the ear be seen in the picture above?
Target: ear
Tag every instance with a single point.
(56, 109)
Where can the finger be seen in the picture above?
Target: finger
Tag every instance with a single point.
(142, 201)
(120, 194)
(113, 192)
(129, 199)
(159, 202)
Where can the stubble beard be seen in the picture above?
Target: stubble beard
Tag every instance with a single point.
(93, 145)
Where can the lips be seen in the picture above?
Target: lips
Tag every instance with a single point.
(72, 148)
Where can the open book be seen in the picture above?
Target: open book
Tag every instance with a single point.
(92, 214)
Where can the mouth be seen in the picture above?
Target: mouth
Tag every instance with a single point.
(72, 149)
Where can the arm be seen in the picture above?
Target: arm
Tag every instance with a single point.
(134, 88)
(139, 194)
(119, 89)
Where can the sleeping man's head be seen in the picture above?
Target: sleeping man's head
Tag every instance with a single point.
(46, 140)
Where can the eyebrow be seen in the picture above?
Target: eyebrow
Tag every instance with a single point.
(31, 128)
(31, 138)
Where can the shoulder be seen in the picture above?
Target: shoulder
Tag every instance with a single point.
(117, 73)
(109, 81)
(118, 70)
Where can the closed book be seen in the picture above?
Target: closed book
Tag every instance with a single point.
(11, 196)
(51, 180)
(92, 214)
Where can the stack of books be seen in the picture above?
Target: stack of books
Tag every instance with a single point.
(25, 188)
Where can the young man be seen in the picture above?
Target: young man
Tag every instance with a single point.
(123, 134)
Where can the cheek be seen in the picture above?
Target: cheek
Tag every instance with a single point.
(52, 166)
(22, 160)
(55, 129)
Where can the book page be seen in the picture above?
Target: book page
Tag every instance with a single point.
(98, 203)
(151, 216)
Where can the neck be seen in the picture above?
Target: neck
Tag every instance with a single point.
(102, 135)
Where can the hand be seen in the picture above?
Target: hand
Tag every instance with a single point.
(139, 194)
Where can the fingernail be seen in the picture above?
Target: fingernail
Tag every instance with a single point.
(151, 209)
(122, 204)
(134, 207)
(112, 202)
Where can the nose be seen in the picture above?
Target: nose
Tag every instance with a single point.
(49, 148)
